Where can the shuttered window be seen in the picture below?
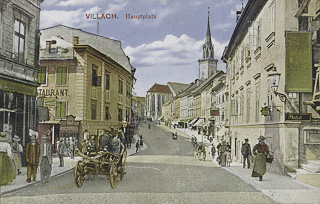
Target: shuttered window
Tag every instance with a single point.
(61, 76)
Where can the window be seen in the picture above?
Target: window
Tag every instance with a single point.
(61, 110)
(127, 114)
(107, 82)
(272, 9)
(94, 76)
(42, 75)
(159, 103)
(257, 102)
(93, 111)
(120, 114)
(108, 116)
(153, 101)
(120, 87)
(248, 105)
(19, 39)
(255, 30)
(61, 76)
(128, 91)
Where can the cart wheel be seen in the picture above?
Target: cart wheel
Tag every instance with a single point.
(113, 176)
(79, 174)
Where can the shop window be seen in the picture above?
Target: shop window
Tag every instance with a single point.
(312, 136)
(42, 75)
(61, 110)
(19, 39)
(61, 76)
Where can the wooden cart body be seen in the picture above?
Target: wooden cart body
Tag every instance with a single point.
(101, 163)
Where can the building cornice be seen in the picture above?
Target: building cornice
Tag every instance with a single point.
(248, 15)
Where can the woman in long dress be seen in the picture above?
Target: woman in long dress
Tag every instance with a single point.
(260, 150)
(16, 152)
(7, 173)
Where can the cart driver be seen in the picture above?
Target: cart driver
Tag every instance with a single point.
(116, 145)
(105, 142)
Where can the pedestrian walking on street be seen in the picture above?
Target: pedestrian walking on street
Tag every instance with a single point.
(71, 148)
(7, 173)
(137, 146)
(60, 151)
(228, 158)
(261, 150)
(32, 156)
(84, 145)
(45, 159)
(16, 148)
(246, 153)
(212, 151)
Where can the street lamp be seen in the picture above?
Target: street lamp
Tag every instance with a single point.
(274, 78)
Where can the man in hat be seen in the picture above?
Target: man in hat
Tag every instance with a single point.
(105, 142)
(16, 151)
(246, 153)
(32, 156)
(7, 173)
(260, 150)
(45, 159)
(60, 151)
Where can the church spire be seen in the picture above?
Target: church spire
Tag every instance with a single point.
(208, 34)
(208, 51)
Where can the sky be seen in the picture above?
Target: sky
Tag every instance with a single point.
(163, 48)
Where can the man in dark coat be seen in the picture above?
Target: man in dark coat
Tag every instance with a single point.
(137, 146)
(32, 156)
(105, 142)
(246, 153)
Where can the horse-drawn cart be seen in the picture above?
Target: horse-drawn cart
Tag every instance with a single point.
(102, 163)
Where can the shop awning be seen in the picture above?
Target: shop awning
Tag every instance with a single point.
(199, 122)
(193, 121)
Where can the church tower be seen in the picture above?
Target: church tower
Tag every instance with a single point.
(207, 65)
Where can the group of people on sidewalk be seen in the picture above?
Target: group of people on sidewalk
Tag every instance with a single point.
(38, 155)
(260, 150)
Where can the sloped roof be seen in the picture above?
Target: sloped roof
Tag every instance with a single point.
(177, 87)
(107, 46)
(160, 88)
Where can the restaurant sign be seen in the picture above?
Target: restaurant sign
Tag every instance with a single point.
(298, 116)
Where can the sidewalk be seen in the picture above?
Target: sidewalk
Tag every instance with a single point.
(282, 189)
(69, 164)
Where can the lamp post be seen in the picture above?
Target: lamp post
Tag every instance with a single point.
(274, 78)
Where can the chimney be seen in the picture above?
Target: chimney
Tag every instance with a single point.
(48, 46)
(75, 40)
